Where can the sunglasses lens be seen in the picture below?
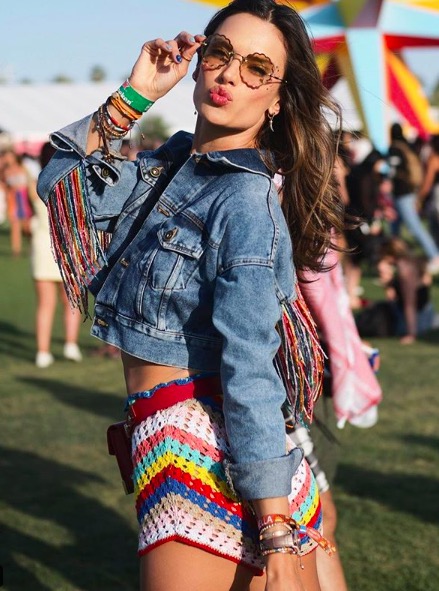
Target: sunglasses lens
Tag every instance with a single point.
(216, 53)
(256, 70)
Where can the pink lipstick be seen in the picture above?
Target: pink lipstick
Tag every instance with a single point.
(219, 96)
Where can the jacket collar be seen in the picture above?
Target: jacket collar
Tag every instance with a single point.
(178, 148)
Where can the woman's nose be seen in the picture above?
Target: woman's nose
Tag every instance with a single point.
(231, 72)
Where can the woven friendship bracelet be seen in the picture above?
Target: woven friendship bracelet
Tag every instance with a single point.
(274, 518)
(133, 99)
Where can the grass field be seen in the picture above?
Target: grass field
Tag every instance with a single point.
(66, 524)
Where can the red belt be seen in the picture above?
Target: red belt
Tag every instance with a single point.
(171, 394)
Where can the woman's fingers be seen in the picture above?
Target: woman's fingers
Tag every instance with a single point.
(183, 47)
(188, 44)
(162, 63)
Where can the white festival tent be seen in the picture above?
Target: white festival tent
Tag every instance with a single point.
(29, 113)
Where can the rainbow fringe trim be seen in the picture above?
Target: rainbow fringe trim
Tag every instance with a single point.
(78, 247)
(300, 358)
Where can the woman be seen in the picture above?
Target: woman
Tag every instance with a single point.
(48, 283)
(366, 185)
(407, 282)
(196, 278)
(405, 168)
(17, 181)
(431, 186)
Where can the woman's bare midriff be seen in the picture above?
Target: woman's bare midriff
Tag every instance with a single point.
(142, 375)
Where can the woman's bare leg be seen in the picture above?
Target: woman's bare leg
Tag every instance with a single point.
(46, 305)
(15, 236)
(72, 318)
(353, 280)
(178, 567)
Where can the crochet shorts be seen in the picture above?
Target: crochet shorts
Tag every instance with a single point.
(182, 492)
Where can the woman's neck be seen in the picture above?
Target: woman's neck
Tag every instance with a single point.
(217, 139)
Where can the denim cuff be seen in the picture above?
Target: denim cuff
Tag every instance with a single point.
(265, 479)
(73, 138)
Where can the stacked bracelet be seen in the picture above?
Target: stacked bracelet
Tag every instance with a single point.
(133, 99)
(284, 542)
(108, 125)
(287, 538)
(130, 104)
(278, 533)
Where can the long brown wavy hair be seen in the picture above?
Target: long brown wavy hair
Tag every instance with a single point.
(302, 144)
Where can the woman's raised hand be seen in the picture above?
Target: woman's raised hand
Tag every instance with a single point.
(162, 64)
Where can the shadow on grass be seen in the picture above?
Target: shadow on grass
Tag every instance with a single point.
(101, 404)
(430, 337)
(422, 440)
(15, 342)
(416, 495)
(72, 537)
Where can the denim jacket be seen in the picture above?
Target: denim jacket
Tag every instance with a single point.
(199, 263)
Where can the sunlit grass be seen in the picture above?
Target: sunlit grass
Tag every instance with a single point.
(66, 524)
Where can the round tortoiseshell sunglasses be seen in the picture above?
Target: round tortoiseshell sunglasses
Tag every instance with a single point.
(255, 69)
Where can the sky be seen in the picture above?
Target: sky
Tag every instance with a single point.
(40, 39)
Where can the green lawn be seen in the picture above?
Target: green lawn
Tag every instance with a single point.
(66, 524)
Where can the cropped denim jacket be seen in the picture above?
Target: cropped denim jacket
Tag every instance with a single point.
(199, 263)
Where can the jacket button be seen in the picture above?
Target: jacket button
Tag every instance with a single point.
(160, 209)
(155, 171)
(169, 235)
(105, 173)
(101, 322)
(124, 262)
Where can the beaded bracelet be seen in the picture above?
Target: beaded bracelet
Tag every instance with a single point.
(134, 99)
(277, 551)
(107, 127)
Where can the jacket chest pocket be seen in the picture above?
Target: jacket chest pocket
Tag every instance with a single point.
(181, 245)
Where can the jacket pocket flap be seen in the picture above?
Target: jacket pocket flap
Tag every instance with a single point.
(186, 239)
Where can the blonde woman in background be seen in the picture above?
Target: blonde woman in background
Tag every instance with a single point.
(48, 285)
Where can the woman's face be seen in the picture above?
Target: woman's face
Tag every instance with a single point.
(386, 269)
(228, 108)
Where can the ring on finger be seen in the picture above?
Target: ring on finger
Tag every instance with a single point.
(182, 55)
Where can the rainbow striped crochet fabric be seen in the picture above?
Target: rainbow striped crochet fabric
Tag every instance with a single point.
(182, 492)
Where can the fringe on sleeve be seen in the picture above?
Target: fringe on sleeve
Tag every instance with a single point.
(78, 247)
(300, 358)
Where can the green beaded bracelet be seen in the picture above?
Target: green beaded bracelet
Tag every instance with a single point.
(132, 98)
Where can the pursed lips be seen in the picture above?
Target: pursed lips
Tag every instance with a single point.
(220, 96)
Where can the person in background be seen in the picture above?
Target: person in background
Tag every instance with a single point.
(17, 180)
(429, 190)
(48, 284)
(407, 282)
(3, 202)
(406, 176)
(367, 185)
(351, 393)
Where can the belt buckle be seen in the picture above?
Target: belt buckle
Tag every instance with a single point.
(130, 420)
